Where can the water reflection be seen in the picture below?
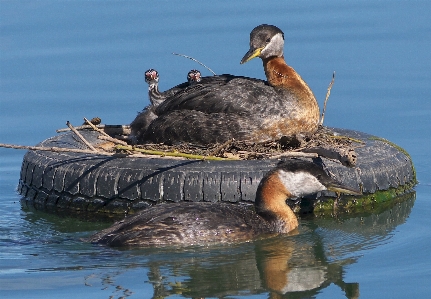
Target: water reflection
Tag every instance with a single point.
(298, 266)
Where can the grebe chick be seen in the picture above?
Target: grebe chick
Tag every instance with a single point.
(189, 223)
(194, 76)
(223, 107)
(140, 124)
(157, 97)
(152, 78)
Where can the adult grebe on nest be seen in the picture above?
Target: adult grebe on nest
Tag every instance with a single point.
(220, 108)
(189, 223)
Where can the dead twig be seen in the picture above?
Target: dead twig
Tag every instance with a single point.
(54, 149)
(79, 128)
(104, 136)
(195, 60)
(328, 92)
(109, 129)
(295, 155)
(81, 137)
(170, 154)
(112, 139)
(347, 156)
(95, 128)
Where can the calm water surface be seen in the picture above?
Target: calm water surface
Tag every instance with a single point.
(64, 60)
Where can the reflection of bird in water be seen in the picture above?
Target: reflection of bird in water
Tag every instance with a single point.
(144, 118)
(189, 223)
(290, 265)
(223, 107)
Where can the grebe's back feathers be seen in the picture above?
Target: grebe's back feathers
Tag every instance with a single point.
(185, 223)
(230, 94)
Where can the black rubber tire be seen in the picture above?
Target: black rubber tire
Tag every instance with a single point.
(95, 183)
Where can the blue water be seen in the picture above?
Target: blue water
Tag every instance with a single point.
(65, 60)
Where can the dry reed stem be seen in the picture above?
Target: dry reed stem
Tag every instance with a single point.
(171, 154)
(295, 155)
(95, 128)
(54, 149)
(195, 60)
(78, 128)
(90, 146)
(104, 134)
(328, 92)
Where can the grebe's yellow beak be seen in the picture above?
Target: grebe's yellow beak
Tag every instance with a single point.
(252, 53)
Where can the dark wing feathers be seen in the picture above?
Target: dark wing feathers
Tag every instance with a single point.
(197, 127)
(182, 223)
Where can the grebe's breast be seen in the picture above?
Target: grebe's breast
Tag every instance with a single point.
(185, 224)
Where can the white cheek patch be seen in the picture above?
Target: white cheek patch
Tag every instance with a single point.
(275, 46)
(300, 183)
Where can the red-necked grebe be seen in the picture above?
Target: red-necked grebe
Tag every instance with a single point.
(220, 108)
(190, 223)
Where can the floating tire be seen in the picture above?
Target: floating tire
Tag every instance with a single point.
(77, 182)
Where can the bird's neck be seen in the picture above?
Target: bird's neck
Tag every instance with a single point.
(279, 74)
(155, 96)
(271, 205)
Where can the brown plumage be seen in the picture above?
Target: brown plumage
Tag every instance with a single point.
(280, 75)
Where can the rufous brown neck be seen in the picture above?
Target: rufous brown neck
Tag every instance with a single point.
(271, 205)
(279, 74)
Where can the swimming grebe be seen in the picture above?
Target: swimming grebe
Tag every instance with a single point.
(223, 107)
(148, 114)
(189, 223)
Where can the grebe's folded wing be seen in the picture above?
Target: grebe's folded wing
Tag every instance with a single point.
(198, 127)
(225, 94)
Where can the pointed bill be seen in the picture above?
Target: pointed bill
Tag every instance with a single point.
(252, 53)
